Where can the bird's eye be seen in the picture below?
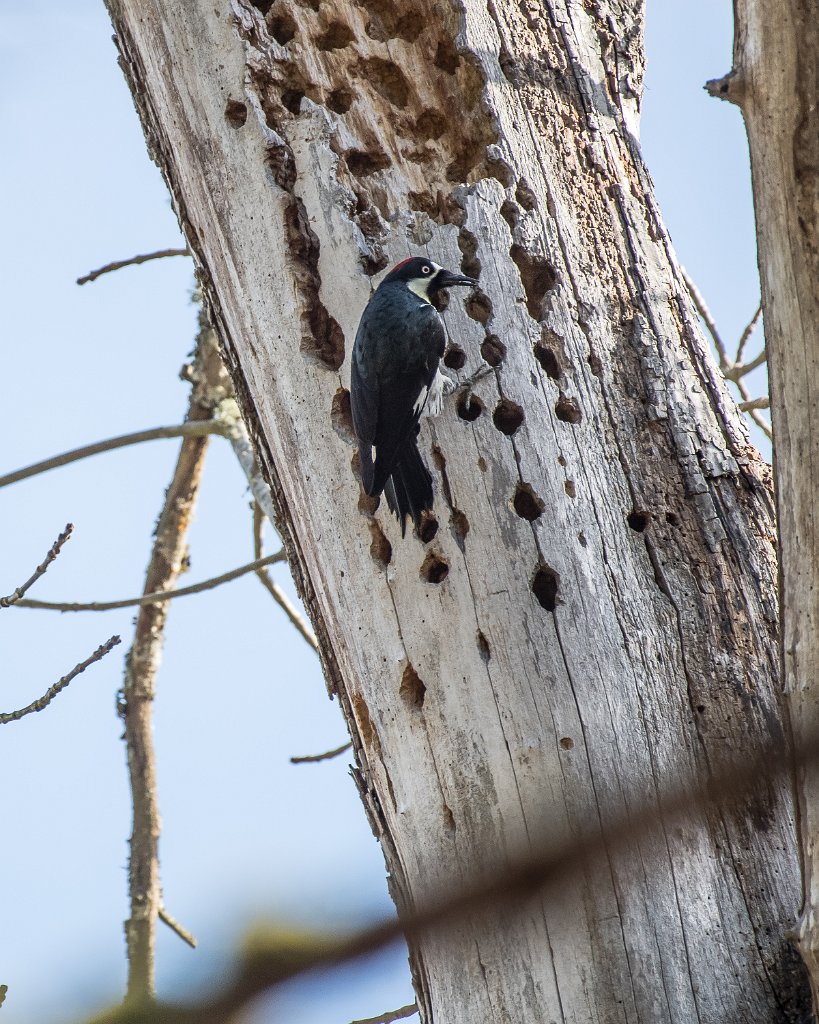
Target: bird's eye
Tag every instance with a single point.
(425, 270)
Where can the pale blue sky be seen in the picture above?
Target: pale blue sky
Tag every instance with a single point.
(245, 833)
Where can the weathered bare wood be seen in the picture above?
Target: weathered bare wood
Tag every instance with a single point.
(596, 614)
(775, 81)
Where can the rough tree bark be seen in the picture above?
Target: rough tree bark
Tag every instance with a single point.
(775, 81)
(596, 615)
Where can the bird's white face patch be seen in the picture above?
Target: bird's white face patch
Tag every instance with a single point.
(420, 285)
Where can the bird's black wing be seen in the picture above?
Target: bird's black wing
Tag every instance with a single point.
(402, 395)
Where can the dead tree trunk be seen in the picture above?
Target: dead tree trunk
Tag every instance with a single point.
(596, 615)
(775, 81)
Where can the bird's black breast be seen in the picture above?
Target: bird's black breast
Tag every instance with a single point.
(398, 346)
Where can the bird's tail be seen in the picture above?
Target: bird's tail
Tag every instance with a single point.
(409, 487)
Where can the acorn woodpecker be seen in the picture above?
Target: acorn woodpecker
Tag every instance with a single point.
(395, 379)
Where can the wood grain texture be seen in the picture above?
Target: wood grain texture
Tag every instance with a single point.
(604, 618)
(775, 80)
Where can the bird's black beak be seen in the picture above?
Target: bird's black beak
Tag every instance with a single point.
(447, 280)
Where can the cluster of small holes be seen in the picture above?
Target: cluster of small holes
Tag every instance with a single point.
(434, 568)
(412, 690)
(548, 360)
(469, 407)
(637, 520)
(235, 113)
(493, 350)
(527, 503)
(545, 586)
(454, 357)
(468, 244)
(567, 410)
(507, 417)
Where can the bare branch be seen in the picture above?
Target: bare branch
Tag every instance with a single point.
(52, 691)
(13, 598)
(326, 756)
(274, 589)
(391, 1015)
(156, 598)
(746, 334)
(755, 403)
(762, 423)
(133, 261)
(175, 926)
(742, 369)
(192, 428)
(708, 320)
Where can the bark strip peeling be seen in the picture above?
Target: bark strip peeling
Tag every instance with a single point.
(606, 618)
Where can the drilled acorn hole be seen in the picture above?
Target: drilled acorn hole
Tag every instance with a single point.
(544, 587)
(235, 113)
(454, 357)
(434, 568)
(428, 527)
(548, 360)
(567, 410)
(469, 407)
(412, 689)
(527, 503)
(380, 547)
(637, 520)
(493, 350)
(483, 647)
(508, 416)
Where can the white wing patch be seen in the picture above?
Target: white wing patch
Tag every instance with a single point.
(420, 402)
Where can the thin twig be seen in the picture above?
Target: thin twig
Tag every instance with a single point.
(326, 756)
(133, 261)
(755, 403)
(739, 370)
(391, 1015)
(156, 598)
(175, 926)
(13, 598)
(270, 961)
(52, 691)
(274, 589)
(746, 334)
(708, 320)
(192, 428)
